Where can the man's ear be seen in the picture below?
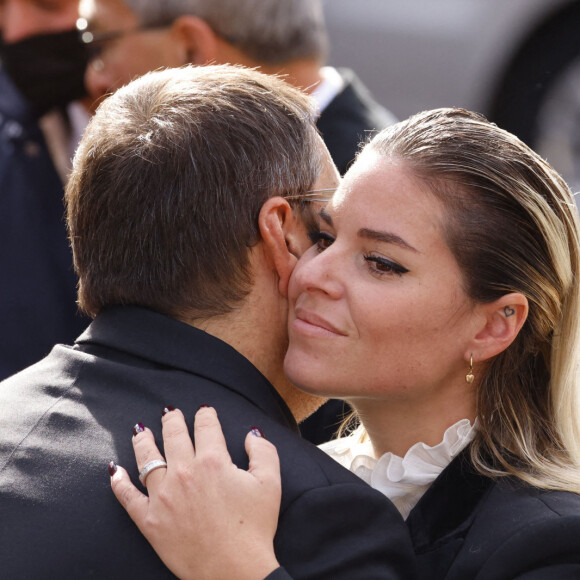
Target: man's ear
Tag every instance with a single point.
(502, 321)
(282, 234)
(197, 40)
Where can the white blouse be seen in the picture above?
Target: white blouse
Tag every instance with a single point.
(402, 479)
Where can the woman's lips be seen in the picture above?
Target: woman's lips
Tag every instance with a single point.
(310, 323)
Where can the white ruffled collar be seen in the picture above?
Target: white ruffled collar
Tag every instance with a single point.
(402, 479)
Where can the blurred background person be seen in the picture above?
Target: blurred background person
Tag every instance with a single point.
(128, 38)
(287, 37)
(42, 63)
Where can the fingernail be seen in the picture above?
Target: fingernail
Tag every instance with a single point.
(112, 468)
(257, 432)
(167, 409)
(139, 428)
(203, 407)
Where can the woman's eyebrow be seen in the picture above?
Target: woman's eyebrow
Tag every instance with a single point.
(386, 237)
(369, 234)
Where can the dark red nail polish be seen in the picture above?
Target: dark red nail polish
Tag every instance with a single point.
(202, 407)
(167, 409)
(257, 432)
(112, 468)
(139, 428)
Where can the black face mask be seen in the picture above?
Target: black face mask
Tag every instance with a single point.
(48, 69)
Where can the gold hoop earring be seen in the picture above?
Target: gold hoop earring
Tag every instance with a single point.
(469, 376)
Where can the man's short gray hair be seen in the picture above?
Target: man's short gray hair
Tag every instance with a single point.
(268, 31)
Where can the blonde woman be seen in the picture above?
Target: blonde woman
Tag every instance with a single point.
(441, 301)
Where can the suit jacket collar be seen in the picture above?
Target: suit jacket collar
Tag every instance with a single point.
(157, 338)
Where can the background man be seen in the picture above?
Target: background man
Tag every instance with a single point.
(287, 37)
(42, 65)
(184, 249)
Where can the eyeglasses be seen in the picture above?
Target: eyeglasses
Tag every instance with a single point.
(313, 195)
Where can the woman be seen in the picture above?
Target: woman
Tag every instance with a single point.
(441, 300)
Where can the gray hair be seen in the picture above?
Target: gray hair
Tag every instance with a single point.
(269, 31)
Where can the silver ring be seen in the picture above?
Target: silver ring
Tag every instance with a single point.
(151, 466)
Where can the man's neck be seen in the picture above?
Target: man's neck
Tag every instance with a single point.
(257, 329)
(303, 74)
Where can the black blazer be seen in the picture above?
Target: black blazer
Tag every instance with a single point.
(350, 118)
(63, 419)
(467, 526)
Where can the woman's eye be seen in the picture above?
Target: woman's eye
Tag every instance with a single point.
(380, 265)
(322, 240)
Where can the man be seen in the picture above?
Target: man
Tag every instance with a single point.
(183, 247)
(286, 37)
(42, 66)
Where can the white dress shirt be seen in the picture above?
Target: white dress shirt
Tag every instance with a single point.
(330, 85)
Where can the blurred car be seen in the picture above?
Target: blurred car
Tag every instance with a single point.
(515, 61)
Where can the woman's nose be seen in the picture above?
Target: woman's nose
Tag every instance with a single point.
(319, 272)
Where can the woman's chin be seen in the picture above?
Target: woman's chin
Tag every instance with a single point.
(307, 377)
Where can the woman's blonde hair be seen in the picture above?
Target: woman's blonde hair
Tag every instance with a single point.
(512, 224)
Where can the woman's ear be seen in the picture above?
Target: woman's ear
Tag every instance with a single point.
(502, 321)
(197, 40)
(283, 236)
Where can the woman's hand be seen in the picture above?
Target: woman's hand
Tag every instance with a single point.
(205, 517)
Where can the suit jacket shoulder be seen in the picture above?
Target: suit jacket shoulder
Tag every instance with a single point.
(349, 119)
(65, 418)
(365, 535)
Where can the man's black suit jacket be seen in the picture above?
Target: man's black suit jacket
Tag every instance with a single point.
(468, 526)
(350, 118)
(63, 419)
